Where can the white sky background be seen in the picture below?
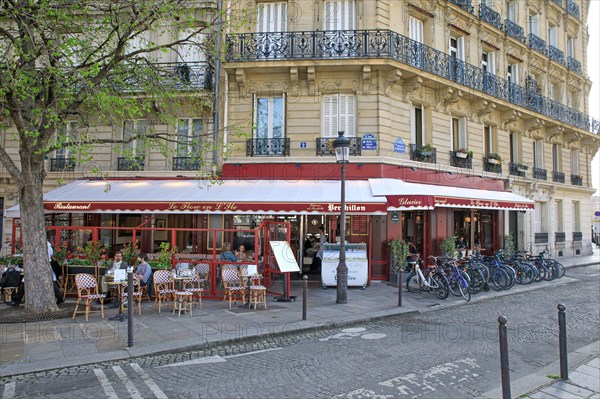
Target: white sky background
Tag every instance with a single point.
(593, 65)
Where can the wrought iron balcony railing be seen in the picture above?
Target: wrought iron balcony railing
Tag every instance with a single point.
(558, 177)
(512, 29)
(464, 4)
(325, 146)
(461, 159)
(517, 169)
(490, 16)
(181, 76)
(268, 147)
(559, 2)
(576, 180)
(362, 44)
(560, 237)
(62, 164)
(540, 174)
(492, 164)
(574, 65)
(130, 163)
(186, 163)
(577, 236)
(538, 44)
(556, 54)
(541, 238)
(573, 8)
(424, 153)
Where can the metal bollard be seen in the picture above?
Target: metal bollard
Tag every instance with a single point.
(562, 341)
(504, 367)
(304, 289)
(400, 279)
(130, 308)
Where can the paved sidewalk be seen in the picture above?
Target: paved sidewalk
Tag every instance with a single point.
(37, 346)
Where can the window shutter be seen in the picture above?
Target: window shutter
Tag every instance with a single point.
(462, 133)
(272, 17)
(416, 29)
(492, 63)
(347, 117)
(534, 24)
(330, 116)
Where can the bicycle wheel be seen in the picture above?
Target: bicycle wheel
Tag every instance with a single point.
(413, 283)
(453, 284)
(477, 281)
(500, 279)
(440, 286)
(463, 287)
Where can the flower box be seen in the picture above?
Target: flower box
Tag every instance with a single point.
(461, 154)
(493, 161)
(522, 168)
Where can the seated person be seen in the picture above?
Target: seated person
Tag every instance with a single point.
(461, 246)
(118, 263)
(143, 270)
(226, 253)
(11, 278)
(242, 255)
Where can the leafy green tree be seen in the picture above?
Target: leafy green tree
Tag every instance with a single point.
(97, 63)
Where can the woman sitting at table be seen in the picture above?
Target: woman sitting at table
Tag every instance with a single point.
(242, 255)
(226, 253)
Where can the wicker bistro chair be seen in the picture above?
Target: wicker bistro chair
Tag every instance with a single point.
(257, 292)
(203, 271)
(164, 290)
(137, 295)
(87, 290)
(193, 285)
(232, 286)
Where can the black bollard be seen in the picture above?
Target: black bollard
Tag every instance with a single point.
(130, 305)
(504, 367)
(304, 289)
(562, 341)
(400, 279)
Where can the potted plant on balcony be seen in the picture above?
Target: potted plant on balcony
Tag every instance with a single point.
(522, 167)
(398, 254)
(494, 158)
(424, 151)
(464, 153)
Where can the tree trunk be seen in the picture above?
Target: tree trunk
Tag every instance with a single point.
(39, 292)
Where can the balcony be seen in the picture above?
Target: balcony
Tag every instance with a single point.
(540, 174)
(556, 54)
(130, 163)
(573, 8)
(559, 237)
(576, 180)
(423, 153)
(541, 238)
(62, 164)
(559, 2)
(577, 236)
(268, 147)
(190, 76)
(464, 4)
(515, 31)
(574, 65)
(461, 159)
(486, 14)
(384, 44)
(186, 163)
(492, 164)
(325, 146)
(517, 169)
(558, 177)
(538, 44)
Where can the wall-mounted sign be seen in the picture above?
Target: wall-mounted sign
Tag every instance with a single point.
(369, 142)
(394, 218)
(303, 144)
(399, 146)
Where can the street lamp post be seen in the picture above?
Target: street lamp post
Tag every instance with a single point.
(342, 155)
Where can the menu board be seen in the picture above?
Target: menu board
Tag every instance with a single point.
(284, 256)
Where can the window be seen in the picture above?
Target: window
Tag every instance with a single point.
(339, 112)
(269, 117)
(541, 218)
(456, 49)
(189, 137)
(417, 122)
(132, 128)
(67, 133)
(459, 133)
(339, 15)
(488, 62)
(569, 99)
(558, 220)
(272, 17)
(552, 91)
(511, 10)
(191, 50)
(512, 74)
(570, 46)
(575, 162)
(534, 24)
(139, 42)
(575, 217)
(538, 154)
(556, 157)
(488, 140)
(553, 36)
(415, 29)
(514, 143)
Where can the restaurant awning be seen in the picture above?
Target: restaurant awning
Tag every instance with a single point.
(402, 195)
(192, 196)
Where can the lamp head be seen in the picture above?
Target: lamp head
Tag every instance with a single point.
(342, 148)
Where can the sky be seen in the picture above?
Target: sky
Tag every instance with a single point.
(593, 66)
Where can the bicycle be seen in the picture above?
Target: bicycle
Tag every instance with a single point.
(432, 281)
(458, 280)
